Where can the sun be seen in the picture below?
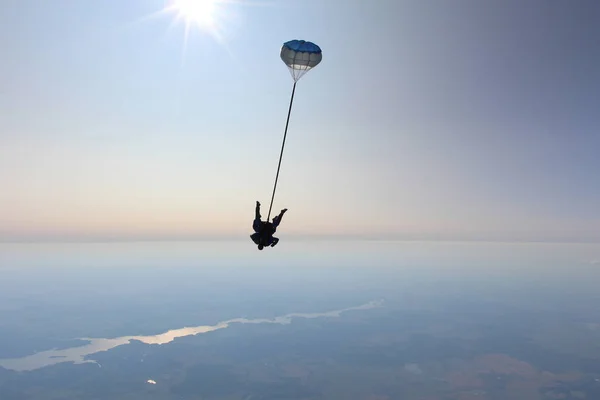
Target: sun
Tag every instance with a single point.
(215, 18)
(198, 12)
(206, 15)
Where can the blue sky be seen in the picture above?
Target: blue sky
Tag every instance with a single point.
(426, 119)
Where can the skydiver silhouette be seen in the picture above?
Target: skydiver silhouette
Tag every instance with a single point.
(264, 230)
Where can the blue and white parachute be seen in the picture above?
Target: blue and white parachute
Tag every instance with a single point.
(300, 57)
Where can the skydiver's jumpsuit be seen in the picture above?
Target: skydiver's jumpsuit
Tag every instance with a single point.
(260, 227)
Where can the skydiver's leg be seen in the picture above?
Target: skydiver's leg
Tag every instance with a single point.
(275, 241)
(256, 225)
(277, 219)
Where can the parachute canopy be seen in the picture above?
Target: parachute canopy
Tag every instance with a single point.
(300, 57)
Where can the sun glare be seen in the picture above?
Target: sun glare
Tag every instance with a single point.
(212, 17)
(200, 12)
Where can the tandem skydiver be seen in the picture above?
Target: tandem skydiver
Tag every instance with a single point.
(264, 230)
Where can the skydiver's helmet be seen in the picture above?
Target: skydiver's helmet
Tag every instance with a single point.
(262, 242)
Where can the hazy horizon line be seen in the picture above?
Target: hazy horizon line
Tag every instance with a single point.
(293, 237)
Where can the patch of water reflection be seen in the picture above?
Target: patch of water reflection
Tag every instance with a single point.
(77, 355)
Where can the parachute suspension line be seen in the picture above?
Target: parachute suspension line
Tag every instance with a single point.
(282, 146)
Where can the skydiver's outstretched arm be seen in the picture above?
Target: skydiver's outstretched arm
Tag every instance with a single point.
(275, 241)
